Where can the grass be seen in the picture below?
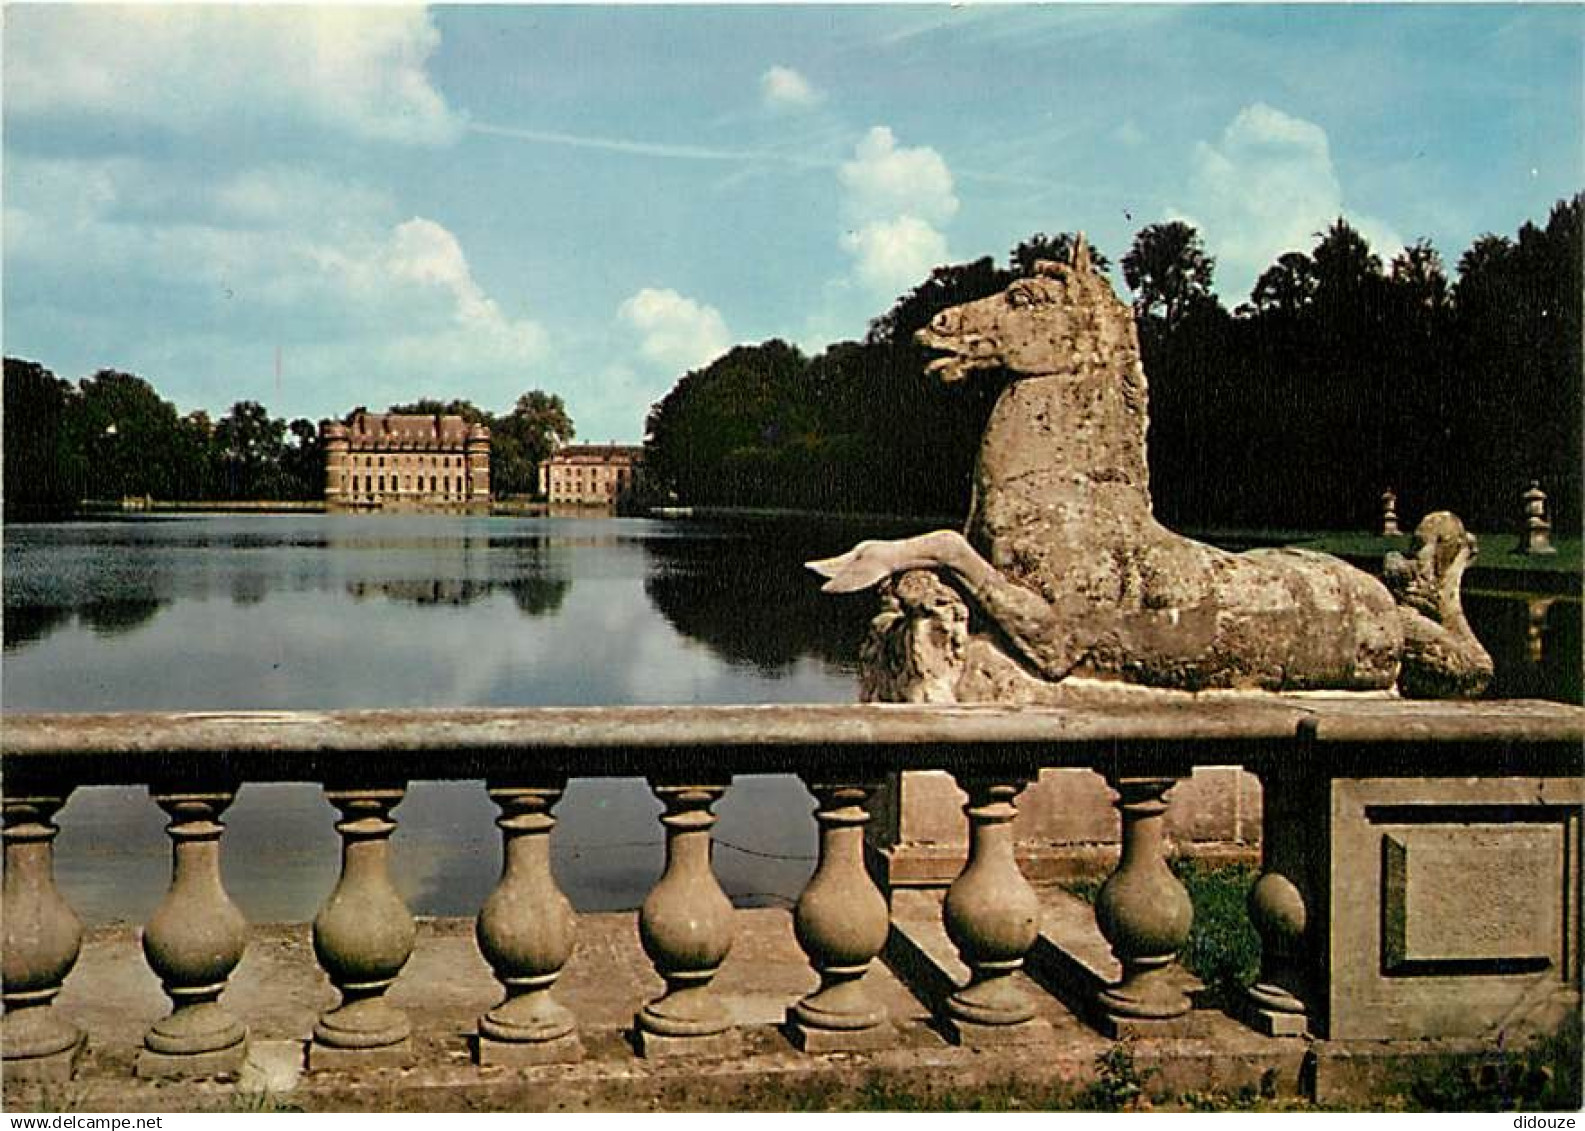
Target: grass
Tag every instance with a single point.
(1223, 950)
(1545, 1075)
(1497, 551)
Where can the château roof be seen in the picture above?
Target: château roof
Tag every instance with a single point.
(597, 454)
(386, 430)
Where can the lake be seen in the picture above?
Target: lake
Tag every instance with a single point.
(277, 612)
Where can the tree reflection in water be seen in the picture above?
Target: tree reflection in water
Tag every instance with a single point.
(747, 595)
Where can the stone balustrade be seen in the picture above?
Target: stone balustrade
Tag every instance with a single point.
(1419, 880)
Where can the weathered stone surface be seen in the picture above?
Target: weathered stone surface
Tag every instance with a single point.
(153, 1065)
(1471, 893)
(1449, 905)
(329, 1058)
(1063, 570)
(564, 1049)
(53, 1068)
(280, 991)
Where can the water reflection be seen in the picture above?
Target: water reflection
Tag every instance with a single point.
(318, 612)
(28, 624)
(116, 577)
(1535, 641)
(752, 602)
(321, 612)
(533, 596)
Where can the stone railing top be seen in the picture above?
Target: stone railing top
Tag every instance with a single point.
(477, 742)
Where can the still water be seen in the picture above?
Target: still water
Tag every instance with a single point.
(321, 612)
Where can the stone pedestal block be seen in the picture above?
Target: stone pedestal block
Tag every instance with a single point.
(566, 1049)
(970, 1034)
(153, 1065)
(328, 1058)
(823, 1039)
(1436, 907)
(50, 1068)
(714, 1046)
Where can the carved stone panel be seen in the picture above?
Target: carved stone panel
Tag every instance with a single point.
(1472, 899)
(1451, 906)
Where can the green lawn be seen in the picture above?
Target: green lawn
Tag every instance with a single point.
(1497, 551)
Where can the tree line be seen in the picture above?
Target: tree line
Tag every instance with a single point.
(1340, 376)
(111, 435)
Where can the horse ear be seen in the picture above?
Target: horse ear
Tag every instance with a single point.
(1081, 253)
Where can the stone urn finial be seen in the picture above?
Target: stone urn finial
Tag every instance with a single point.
(1537, 537)
(1389, 514)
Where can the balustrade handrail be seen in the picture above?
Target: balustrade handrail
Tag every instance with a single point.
(453, 743)
(1505, 769)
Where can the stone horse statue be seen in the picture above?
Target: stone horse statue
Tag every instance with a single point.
(1064, 580)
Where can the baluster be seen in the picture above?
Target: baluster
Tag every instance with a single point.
(841, 922)
(686, 928)
(1275, 1003)
(193, 942)
(992, 916)
(525, 931)
(42, 939)
(363, 937)
(1144, 912)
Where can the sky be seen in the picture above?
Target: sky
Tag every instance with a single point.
(324, 207)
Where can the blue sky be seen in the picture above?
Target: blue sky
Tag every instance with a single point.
(476, 201)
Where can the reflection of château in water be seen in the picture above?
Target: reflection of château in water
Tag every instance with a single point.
(389, 461)
(434, 591)
(534, 595)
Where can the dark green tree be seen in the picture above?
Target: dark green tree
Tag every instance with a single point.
(251, 445)
(303, 462)
(428, 406)
(715, 437)
(524, 438)
(197, 460)
(1287, 287)
(1059, 248)
(128, 436)
(1517, 329)
(1169, 271)
(44, 464)
(1418, 280)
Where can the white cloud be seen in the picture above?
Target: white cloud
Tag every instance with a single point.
(884, 181)
(894, 198)
(1266, 187)
(892, 256)
(676, 331)
(353, 69)
(363, 300)
(785, 89)
(419, 269)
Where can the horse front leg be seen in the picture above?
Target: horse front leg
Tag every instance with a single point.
(870, 563)
(1053, 643)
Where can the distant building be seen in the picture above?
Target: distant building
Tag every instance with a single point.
(388, 461)
(590, 474)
